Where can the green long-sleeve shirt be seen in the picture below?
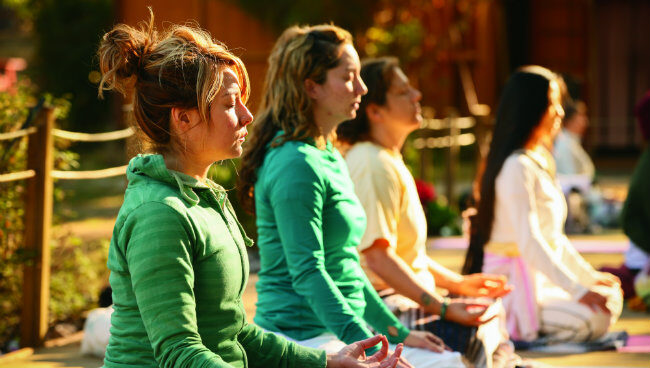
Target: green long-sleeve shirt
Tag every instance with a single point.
(309, 222)
(178, 268)
(636, 211)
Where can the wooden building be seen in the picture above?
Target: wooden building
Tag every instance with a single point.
(604, 45)
(244, 35)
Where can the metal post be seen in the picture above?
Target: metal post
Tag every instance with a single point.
(38, 219)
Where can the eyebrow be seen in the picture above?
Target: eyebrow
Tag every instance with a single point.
(230, 91)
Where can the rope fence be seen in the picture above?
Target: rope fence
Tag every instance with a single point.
(71, 136)
(465, 139)
(19, 175)
(457, 123)
(93, 137)
(38, 198)
(89, 174)
(17, 134)
(448, 134)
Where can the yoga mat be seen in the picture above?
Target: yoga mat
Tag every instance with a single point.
(636, 344)
(582, 245)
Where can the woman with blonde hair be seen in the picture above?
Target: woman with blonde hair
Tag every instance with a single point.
(311, 287)
(518, 230)
(178, 254)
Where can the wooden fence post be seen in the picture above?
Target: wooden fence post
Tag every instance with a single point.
(38, 219)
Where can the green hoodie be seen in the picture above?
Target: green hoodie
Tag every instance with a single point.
(178, 269)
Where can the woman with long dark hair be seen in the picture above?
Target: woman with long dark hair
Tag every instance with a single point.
(311, 287)
(518, 228)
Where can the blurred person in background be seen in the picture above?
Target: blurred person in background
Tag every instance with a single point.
(570, 156)
(518, 230)
(636, 214)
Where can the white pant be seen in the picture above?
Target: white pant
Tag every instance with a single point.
(564, 319)
(537, 305)
(419, 358)
(490, 335)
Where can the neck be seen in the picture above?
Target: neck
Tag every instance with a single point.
(573, 132)
(540, 143)
(325, 123)
(181, 163)
(388, 138)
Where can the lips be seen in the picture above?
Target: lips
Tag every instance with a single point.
(243, 137)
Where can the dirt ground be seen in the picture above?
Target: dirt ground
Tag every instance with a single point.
(633, 322)
(92, 218)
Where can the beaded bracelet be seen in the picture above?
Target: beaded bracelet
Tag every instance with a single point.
(443, 308)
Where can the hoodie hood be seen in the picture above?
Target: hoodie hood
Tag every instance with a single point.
(149, 166)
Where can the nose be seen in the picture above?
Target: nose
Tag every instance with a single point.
(360, 86)
(245, 116)
(417, 95)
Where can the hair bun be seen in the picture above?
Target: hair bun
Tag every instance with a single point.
(121, 54)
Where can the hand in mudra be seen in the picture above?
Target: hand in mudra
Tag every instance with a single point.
(354, 355)
(472, 313)
(484, 285)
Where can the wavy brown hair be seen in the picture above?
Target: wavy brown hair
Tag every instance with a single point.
(523, 103)
(182, 67)
(300, 53)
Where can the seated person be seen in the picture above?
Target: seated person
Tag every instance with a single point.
(518, 228)
(571, 157)
(636, 211)
(392, 248)
(311, 287)
(97, 326)
(178, 257)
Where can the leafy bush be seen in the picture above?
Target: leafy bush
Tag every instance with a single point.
(66, 35)
(14, 107)
(78, 273)
(13, 112)
(442, 220)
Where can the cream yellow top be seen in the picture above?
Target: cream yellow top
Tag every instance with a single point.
(388, 194)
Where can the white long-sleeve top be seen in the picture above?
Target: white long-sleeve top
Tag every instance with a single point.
(529, 215)
(571, 157)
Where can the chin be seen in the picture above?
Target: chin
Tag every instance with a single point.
(238, 151)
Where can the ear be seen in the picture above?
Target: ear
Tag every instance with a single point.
(312, 88)
(182, 119)
(375, 113)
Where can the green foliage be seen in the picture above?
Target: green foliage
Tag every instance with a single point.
(22, 9)
(78, 274)
(67, 34)
(403, 39)
(14, 107)
(13, 112)
(442, 220)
